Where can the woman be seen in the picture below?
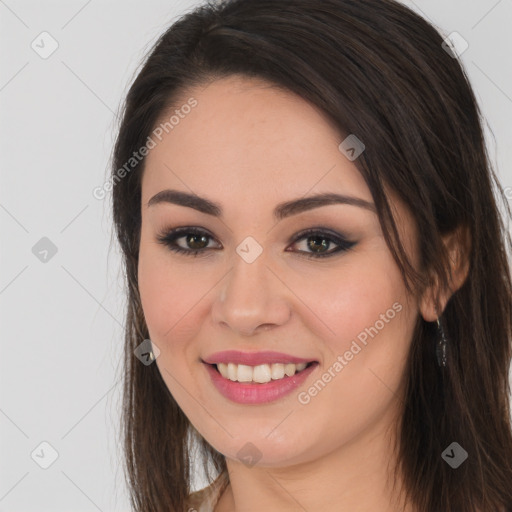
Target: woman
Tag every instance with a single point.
(319, 297)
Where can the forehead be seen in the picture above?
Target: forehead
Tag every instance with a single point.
(247, 138)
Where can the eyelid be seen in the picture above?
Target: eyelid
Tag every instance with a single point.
(167, 236)
(319, 230)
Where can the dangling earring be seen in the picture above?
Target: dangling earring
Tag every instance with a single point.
(442, 345)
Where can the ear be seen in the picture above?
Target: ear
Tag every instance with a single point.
(434, 300)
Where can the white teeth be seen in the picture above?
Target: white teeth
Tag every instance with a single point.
(223, 369)
(232, 371)
(289, 369)
(244, 373)
(277, 371)
(261, 373)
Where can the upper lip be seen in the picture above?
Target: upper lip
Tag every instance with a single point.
(253, 358)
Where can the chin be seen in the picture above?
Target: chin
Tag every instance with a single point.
(263, 452)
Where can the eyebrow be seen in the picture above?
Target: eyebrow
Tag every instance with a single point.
(281, 211)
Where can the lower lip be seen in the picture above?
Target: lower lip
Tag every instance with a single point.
(245, 393)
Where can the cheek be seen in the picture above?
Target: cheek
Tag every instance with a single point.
(164, 296)
(365, 306)
(174, 299)
(157, 294)
(171, 304)
(156, 286)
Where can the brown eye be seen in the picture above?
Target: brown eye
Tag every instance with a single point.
(318, 242)
(195, 241)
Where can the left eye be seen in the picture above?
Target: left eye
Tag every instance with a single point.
(318, 241)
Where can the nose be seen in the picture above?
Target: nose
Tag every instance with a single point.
(251, 298)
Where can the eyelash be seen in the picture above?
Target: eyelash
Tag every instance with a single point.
(168, 239)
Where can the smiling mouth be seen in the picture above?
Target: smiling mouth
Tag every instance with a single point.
(260, 374)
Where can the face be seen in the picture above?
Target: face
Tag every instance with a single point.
(313, 282)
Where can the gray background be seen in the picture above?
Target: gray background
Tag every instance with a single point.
(62, 319)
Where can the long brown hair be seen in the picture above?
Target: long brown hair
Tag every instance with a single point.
(379, 71)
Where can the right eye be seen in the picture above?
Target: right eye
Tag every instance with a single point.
(195, 238)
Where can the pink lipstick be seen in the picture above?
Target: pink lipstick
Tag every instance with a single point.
(257, 377)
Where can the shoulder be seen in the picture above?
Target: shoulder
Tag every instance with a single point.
(205, 499)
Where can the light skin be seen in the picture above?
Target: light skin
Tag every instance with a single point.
(248, 147)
